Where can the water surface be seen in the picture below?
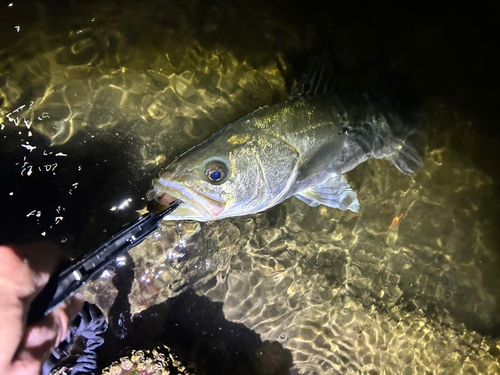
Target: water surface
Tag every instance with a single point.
(97, 97)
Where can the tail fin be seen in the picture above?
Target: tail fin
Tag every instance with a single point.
(409, 141)
(386, 137)
(406, 159)
(402, 140)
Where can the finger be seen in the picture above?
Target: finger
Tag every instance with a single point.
(53, 328)
(15, 273)
(42, 258)
(24, 271)
(41, 339)
(16, 283)
(74, 305)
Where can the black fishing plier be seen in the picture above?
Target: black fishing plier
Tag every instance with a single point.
(65, 283)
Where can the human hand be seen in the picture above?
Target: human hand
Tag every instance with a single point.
(24, 271)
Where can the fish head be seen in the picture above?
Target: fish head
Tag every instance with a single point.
(227, 175)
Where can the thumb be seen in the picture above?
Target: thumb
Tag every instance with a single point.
(41, 338)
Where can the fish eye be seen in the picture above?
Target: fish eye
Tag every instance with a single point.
(217, 173)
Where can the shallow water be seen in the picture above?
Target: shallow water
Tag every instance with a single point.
(109, 94)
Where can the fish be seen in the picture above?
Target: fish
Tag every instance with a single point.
(301, 147)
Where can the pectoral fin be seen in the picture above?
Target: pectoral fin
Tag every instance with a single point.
(323, 158)
(334, 192)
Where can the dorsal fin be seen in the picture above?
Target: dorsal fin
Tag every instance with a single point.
(317, 81)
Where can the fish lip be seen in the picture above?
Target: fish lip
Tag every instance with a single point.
(188, 196)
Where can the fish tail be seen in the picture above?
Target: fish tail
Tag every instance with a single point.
(386, 137)
(405, 145)
(406, 158)
(401, 146)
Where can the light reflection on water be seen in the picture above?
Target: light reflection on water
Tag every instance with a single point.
(400, 287)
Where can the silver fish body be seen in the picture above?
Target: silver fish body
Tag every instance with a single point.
(300, 148)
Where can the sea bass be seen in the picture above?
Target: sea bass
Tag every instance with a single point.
(300, 148)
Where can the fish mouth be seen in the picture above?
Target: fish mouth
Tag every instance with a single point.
(161, 197)
(165, 192)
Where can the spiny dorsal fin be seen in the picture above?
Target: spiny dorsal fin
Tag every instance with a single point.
(318, 80)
